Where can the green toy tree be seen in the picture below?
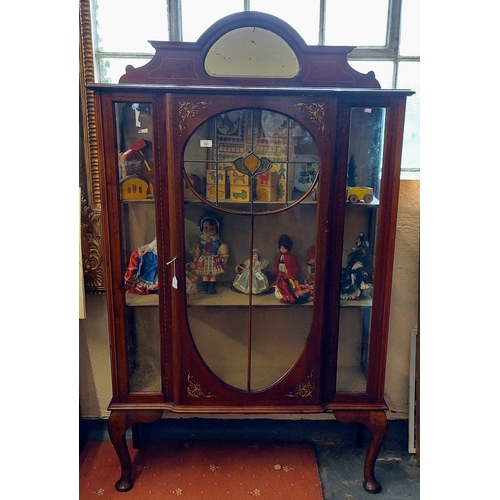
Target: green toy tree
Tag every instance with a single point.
(351, 172)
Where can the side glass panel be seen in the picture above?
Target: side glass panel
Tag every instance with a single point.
(139, 258)
(250, 178)
(364, 174)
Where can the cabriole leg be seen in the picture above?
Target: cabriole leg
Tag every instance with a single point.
(119, 422)
(376, 421)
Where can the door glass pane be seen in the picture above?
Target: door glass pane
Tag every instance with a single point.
(279, 333)
(250, 178)
(357, 278)
(139, 252)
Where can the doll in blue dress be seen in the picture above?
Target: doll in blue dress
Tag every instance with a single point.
(253, 270)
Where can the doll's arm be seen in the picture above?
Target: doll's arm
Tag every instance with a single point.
(223, 252)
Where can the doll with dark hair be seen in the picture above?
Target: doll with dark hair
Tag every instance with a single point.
(286, 268)
(210, 254)
(357, 276)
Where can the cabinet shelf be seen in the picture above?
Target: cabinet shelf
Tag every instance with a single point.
(225, 297)
(274, 204)
(139, 201)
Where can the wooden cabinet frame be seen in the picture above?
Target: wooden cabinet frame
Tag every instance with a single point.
(181, 95)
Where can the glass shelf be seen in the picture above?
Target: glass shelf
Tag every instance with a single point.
(226, 297)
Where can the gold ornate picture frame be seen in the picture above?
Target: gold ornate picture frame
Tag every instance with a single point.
(92, 251)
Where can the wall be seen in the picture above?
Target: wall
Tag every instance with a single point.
(95, 370)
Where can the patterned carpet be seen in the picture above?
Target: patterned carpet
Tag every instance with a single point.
(204, 471)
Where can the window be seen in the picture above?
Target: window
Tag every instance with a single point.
(384, 32)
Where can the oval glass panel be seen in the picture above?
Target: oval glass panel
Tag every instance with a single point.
(250, 231)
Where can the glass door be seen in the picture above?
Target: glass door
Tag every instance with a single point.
(250, 231)
(358, 276)
(139, 259)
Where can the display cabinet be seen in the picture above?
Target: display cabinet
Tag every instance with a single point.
(249, 212)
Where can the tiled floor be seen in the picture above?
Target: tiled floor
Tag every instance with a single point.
(340, 462)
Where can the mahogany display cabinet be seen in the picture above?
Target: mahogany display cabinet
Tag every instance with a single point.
(250, 193)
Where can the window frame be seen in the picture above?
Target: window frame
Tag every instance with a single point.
(389, 52)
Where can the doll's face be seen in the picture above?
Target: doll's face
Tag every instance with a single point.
(208, 228)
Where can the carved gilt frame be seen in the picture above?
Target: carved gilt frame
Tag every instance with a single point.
(92, 251)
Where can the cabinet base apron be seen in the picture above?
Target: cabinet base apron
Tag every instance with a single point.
(121, 420)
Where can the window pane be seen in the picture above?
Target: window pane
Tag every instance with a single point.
(127, 25)
(198, 16)
(111, 69)
(410, 28)
(409, 78)
(383, 70)
(360, 23)
(302, 16)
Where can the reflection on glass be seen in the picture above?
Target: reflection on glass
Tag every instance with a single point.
(248, 332)
(364, 171)
(135, 166)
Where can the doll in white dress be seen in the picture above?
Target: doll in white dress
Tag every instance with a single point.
(260, 283)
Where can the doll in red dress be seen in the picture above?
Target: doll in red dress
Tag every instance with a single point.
(286, 268)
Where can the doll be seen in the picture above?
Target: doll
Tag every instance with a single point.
(287, 274)
(357, 276)
(141, 276)
(311, 266)
(191, 277)
(260, 283)
(210, 253)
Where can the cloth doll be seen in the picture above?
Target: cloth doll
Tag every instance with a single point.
(311, 266)
(210, 254)
(260, 283)
(357, 276)
(286, 268)
(141, 276)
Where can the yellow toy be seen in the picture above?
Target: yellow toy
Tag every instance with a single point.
(357, 193)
